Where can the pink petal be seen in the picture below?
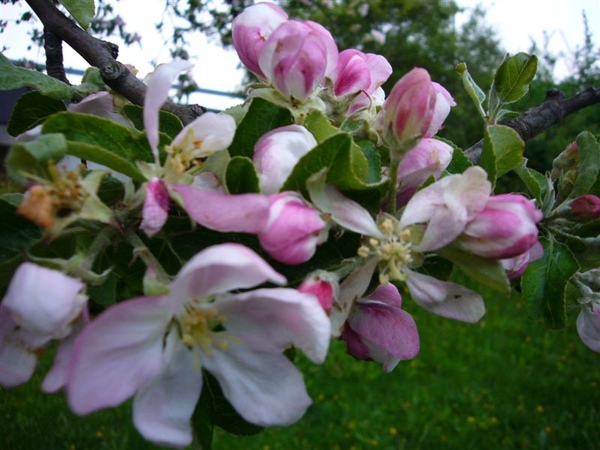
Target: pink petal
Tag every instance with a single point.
(156, 207)
(118, 353)
(57, 376)
(243, 213)
(588, 326)
(351, 290)
(221, 268)
(162, 410)
(444, 298)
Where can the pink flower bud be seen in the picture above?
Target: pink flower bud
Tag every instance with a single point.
(293, 229)
(429, 158)
(277, 152)
(324, 286)
(505, 228)
(252, 28)
(585, 208)
(416, 106)
(297, 57)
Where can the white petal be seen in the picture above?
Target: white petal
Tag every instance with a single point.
(444, 298)
(163, 409)
(266, 389)
(157, 93)
(345, 212)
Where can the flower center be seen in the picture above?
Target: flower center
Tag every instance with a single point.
(393, 252)
(203, 326)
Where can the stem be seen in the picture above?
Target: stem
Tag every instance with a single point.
(393, 187)
(98, 244)
(140, 249)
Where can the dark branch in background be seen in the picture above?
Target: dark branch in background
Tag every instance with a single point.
(103, 55)
(54, 56)
(555, 108)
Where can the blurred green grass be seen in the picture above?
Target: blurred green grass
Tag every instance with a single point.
(505, 382)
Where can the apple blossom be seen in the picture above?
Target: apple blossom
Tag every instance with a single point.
(429, 158)
(297, 57)
(379, 330)
(164, 342)
(585, 207)
(388, 245)
(415, 108)
(277, 152)
(324, 286)
(251, 29)
(504, 228)
(293, 229)
(40, 305)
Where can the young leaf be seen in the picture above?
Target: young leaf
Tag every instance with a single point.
(125, 142)
(31, 110)
(474, 91)
(12, 77)
(508, 147)
(241, 176)
(589, 165)
(261, 117)
(105, 157)
(33, 156)
(83, 11)
(168, 123)
(511, 81)
(488, 272)
(544, 283)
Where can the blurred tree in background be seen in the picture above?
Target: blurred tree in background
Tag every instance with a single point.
(409, 33)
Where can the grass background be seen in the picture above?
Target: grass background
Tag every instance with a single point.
(505, 382)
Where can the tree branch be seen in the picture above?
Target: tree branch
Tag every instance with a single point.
(555, 108)
(54, 56)
(103, 55)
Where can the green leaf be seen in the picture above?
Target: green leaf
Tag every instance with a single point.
(17, 234)
(511, 81)
(488, 272)
(105, 157)
(508, 147)
(31, 110)
(487, 160)
(373, 160)
(33, 157)
(474, 91)
(320, 127)
(261, 117)
(83, 11)
(125, 142)
(13, 77)
(347, 168)
(544, 283)
(459, 162)
(241, 176)
(589, 165)
(168, 123)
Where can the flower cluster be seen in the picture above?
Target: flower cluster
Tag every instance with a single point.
(296, 218)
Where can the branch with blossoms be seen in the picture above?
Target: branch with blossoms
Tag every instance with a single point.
(177, 264)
